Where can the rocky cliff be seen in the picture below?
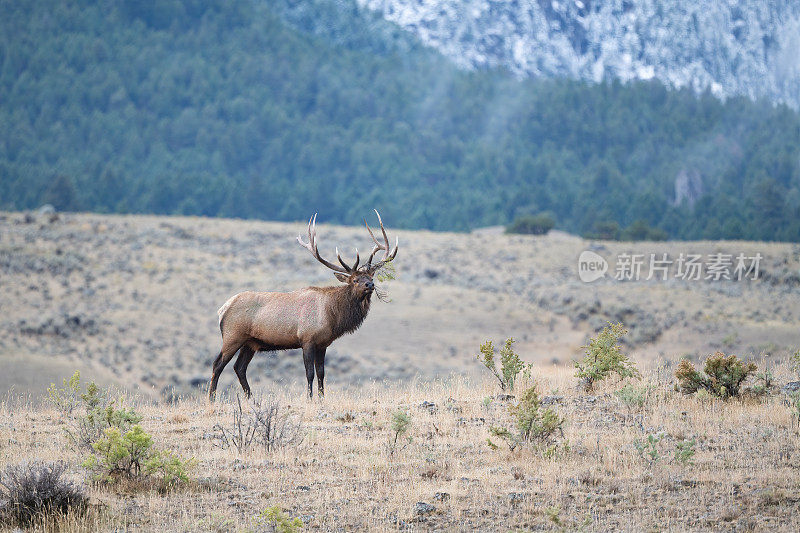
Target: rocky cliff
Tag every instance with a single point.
(730, 47)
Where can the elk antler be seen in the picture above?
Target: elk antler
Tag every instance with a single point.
(311, 246)
(388, 255)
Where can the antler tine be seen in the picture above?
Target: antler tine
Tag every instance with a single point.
(383, 230)
(388, 255)
(308, 245)
(372, 234)
(311, 246)
(372, 254)
(345, 265)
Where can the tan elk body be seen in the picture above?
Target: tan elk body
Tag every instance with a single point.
(310, 318)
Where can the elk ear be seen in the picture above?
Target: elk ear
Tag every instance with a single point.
(341, 277)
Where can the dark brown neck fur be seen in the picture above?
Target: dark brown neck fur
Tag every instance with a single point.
(346, 310)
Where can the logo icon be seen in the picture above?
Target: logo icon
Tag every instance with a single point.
(591, 266)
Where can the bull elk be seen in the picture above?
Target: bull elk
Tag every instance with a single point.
(310, 318)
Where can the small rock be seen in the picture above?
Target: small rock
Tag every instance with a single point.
(504, 397)
(441, 496)
(792, 386)
(422, 508)
(516, 497)
(548, 400)
(430, 406)
(303, 488)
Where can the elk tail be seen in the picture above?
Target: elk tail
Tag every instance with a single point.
(224, 309)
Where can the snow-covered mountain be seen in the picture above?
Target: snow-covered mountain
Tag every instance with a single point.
(732, 47)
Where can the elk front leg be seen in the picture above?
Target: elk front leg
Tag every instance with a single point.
(319, 364)
(309, 355)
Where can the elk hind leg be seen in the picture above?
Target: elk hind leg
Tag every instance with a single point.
(240, 367)
(222, 360)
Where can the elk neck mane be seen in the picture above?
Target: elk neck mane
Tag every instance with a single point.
(345, 309)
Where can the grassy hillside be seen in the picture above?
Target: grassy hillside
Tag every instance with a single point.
(136, 298)
(346, 475)
(272, 109)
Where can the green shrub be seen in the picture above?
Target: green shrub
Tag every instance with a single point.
(633, 397)
(794, 405)
(640, 230)
(539, 224)
(88, 414)
(170, 467)
(401, 421)
(651, 449)
(131, 454)
(689, 379)
(511, 366)
(67, 398)
(604, 357)
(794, 361)
(765, 382)
(118, 445)
(684, 452)
(278, 519)
(606, 230)
(119, 453)
(722, 375)
(533, 424)
(648, 448)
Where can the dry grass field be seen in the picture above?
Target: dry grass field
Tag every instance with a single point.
(343, 476)
(131, 302)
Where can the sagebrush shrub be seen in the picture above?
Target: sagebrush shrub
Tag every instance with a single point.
(604, 357)
(34, 490)
(264, 425)
(722, 375)
(511, 365)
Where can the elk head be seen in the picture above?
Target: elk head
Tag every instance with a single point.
(358, 278)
